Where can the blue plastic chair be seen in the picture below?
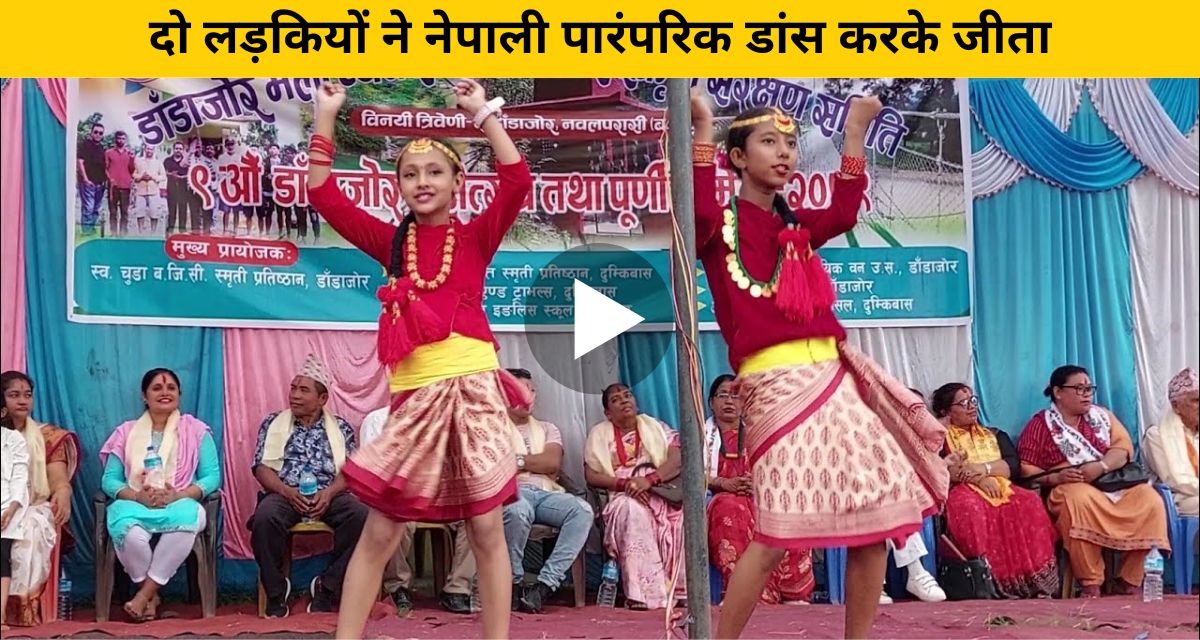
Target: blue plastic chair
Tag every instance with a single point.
(835, 565)
(1182, 532)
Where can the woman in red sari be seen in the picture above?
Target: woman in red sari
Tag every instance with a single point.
(986, 514)
(731, 511)
(446, 452)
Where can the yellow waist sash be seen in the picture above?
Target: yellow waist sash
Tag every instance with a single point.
(791, 353)
(455, 356)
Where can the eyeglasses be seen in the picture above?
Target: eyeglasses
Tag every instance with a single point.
(1082, 389)
(969, 403)
(725, 395)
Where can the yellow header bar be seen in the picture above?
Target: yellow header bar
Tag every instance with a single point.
(745, 38)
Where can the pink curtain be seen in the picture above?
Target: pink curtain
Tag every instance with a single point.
(12, 228)
(55, 91)
(259, 367)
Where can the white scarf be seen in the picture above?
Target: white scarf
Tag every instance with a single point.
(138, 442)
(1174, 437)
(597, 452)
(712, 446)
(281, 430)
(35, 442)
(1076, 448)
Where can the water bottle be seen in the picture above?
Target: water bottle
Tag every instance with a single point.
(607, 595)
(1152, 583)
(308, 487)
(476, 603)
(64, 598)
(154, 469)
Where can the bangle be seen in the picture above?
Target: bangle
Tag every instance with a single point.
(1104, 466)
(620, 484)
(320, 163)
(490, 108)
(653, 478)
(987, 468)
(318, 139)
(703, 152)
(853, 166)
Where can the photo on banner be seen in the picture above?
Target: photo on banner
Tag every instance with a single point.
(188, 203)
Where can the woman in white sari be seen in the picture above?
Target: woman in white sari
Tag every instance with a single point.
(53, 461)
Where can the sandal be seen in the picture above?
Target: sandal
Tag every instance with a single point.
(634, 605)
(136, 615)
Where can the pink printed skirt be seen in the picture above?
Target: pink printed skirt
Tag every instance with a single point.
(445, 454)
(839, 455)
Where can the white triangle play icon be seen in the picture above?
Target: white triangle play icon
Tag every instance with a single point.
(598, 319)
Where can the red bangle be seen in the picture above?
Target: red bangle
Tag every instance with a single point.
(620, 484)
(653, 478)
(320, 149)
(320, 139)
(319, 162)
(854, 166)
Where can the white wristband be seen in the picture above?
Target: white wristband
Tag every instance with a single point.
(490, 108)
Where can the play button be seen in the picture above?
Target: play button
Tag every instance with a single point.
(598, 319)
(620, 308)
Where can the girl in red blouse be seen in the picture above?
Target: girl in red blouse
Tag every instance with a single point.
(835, 460)
(445, 454)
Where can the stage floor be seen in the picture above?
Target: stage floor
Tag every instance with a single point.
(1176, 617)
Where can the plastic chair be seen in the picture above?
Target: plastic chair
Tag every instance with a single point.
(1182, 532)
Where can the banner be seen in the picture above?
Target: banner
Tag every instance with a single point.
(188, 202)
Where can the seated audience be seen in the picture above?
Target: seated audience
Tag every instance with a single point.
(541, 500)
(627, 455)
(53, 462)
(456, 594)
(731, 511)
(305, 437)
(147, 504)
(14, 497)
(986, 514)
(397, 573)
(1079, 442)
(1170, 447)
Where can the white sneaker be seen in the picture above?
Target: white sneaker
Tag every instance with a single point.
(925, 587)
(884, 598)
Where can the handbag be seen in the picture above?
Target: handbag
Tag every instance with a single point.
(1130, 475)
(964, 578)
(669, 492)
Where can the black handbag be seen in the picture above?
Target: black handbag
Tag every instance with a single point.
(965, 578)
(670, 492)
(1130, 475)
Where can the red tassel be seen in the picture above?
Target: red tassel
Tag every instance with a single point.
(393, 342)
(422, 321)
(803, 288)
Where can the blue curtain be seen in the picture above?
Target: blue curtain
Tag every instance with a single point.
(658, 391)
(1052, 269)
(88, 377)
(1180, 98)
(1010, 116)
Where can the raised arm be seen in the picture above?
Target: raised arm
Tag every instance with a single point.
(370, 234)
(848, 187)
(709, 211)
(513, 173)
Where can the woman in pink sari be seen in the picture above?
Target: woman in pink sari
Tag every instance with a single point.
(627, 455)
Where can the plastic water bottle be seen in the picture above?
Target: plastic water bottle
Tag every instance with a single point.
(607, 595)
(308, 487)
(476, 603)
(154, 469)
(64, 598)
(1152, 583)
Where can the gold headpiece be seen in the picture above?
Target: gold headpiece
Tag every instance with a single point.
(425, 145)
(783, 122)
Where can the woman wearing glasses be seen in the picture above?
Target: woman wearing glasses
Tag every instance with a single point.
(1082, 441)
(986, 514)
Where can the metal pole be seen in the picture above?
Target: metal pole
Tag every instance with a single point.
(695, 526)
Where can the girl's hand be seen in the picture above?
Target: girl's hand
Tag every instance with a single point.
(331, 97)
(702, 110)
(470, 96)
(862, 111)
